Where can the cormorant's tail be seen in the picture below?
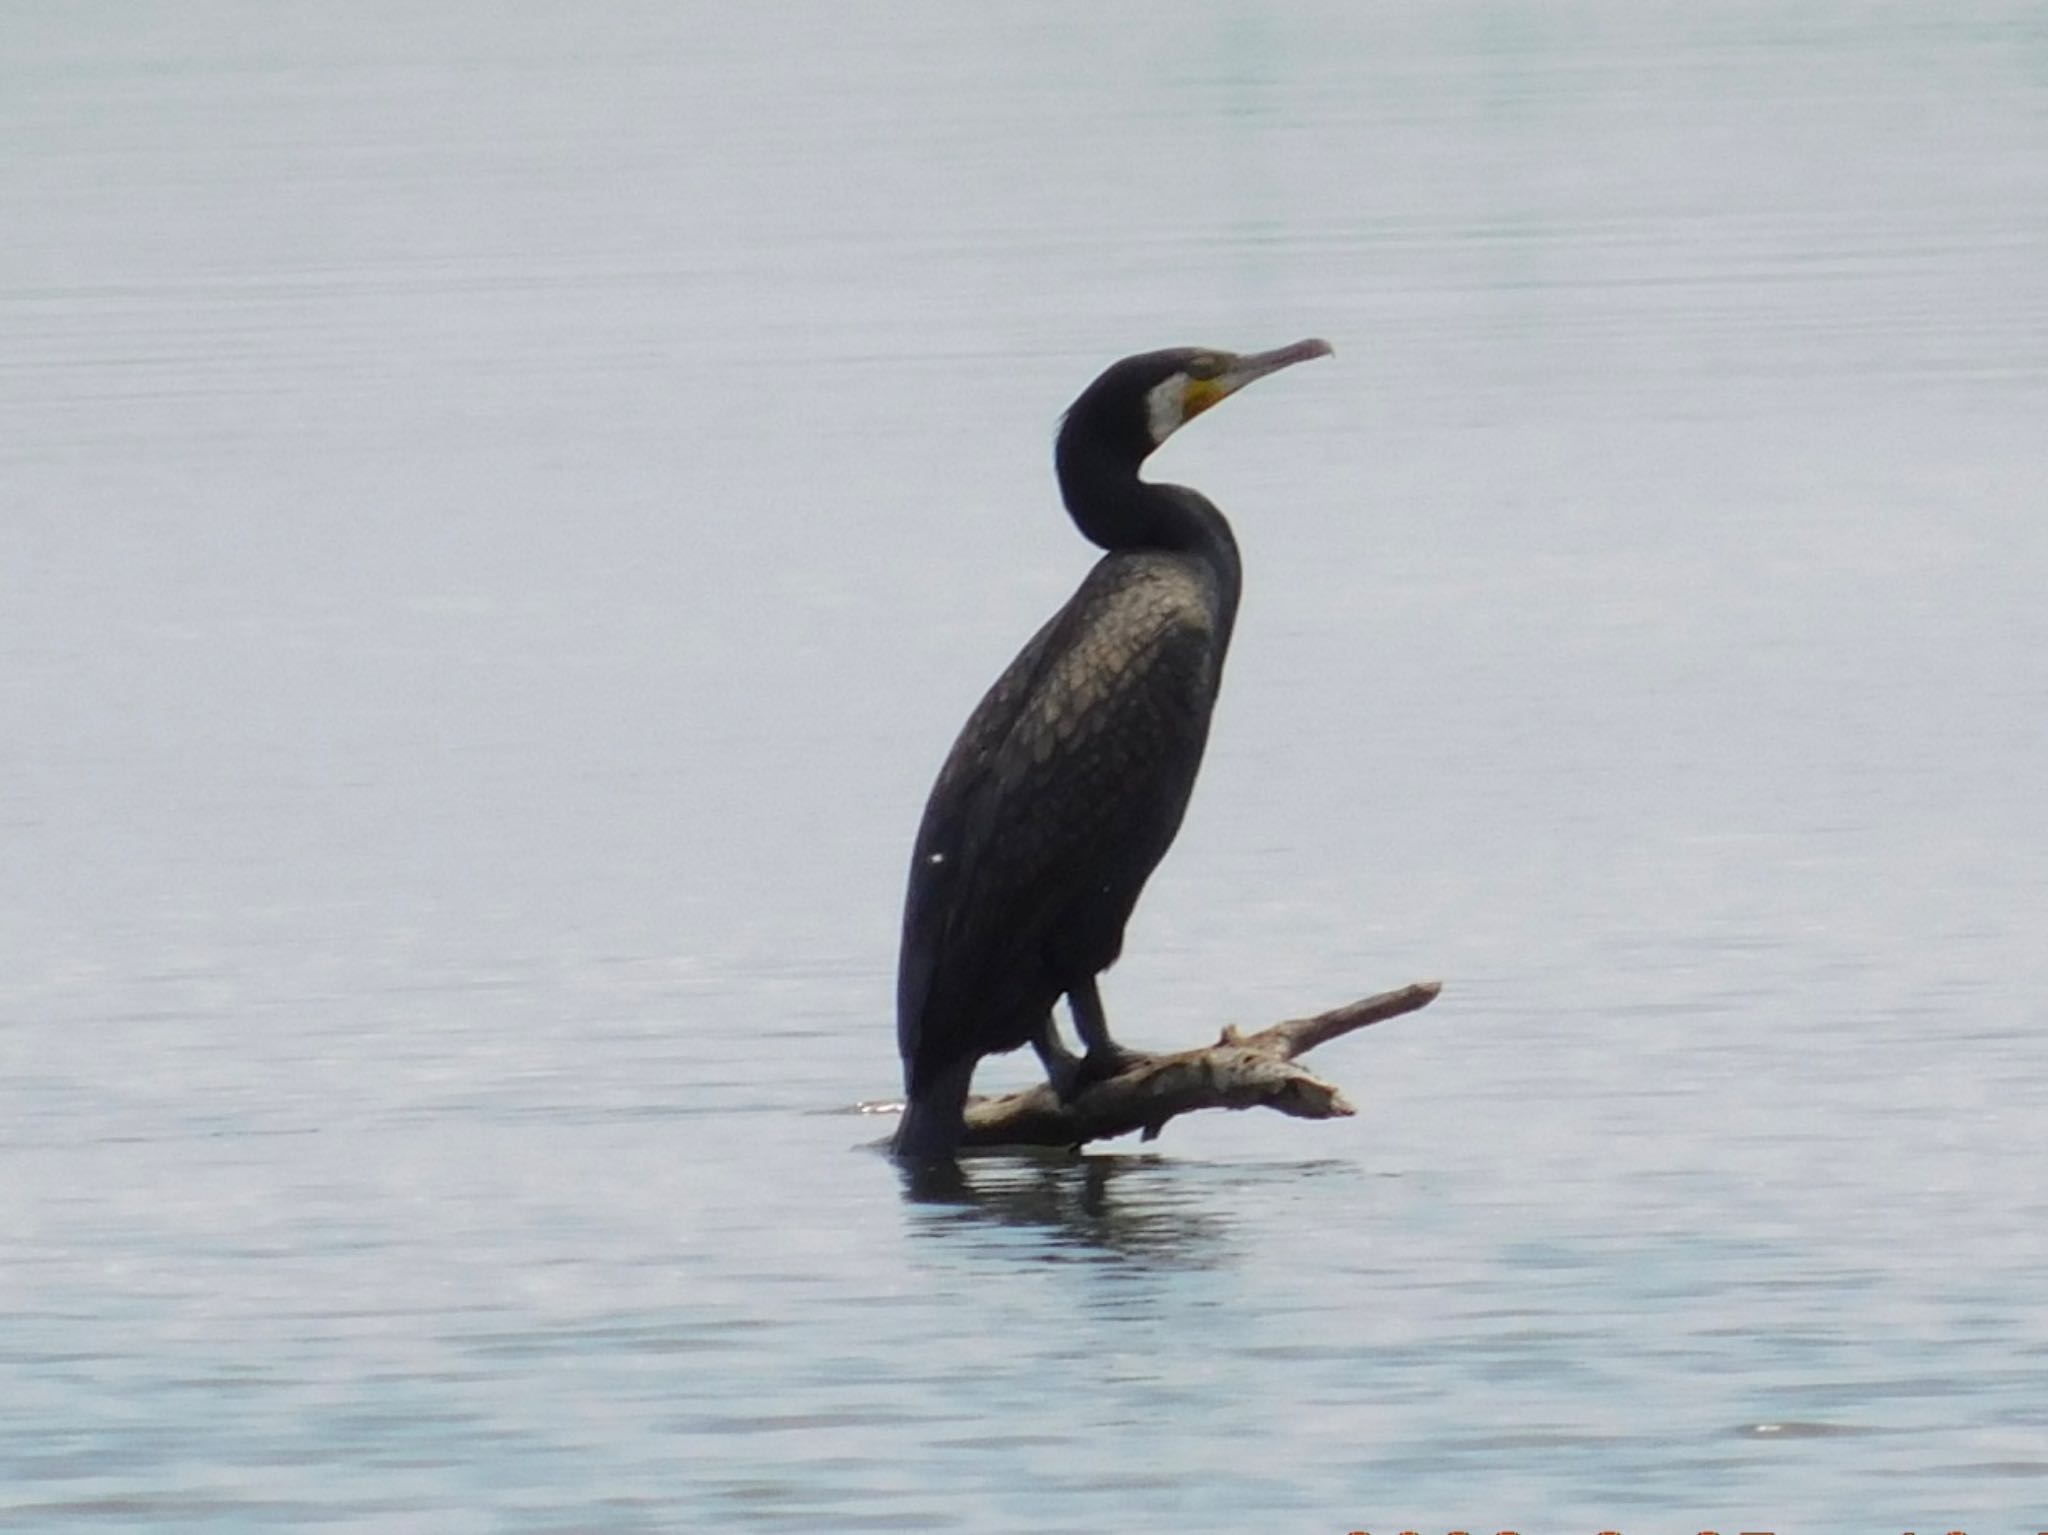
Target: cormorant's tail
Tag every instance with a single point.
(935, 1117)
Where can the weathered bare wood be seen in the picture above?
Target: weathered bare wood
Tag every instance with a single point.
(1239, 1071)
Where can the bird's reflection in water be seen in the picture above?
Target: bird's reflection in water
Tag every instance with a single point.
(1139, 1208)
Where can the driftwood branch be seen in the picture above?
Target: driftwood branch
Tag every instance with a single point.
(1239, 1071)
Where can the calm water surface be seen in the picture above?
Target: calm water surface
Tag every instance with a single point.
(502, 512)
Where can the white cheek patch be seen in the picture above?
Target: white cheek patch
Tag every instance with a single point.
(1166, 407)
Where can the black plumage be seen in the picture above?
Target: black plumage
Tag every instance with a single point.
(1069, 780)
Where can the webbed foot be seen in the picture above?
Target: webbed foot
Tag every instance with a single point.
(1098, 1065)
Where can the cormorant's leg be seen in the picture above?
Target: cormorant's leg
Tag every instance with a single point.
(1062, 1066)
(1105, 1056)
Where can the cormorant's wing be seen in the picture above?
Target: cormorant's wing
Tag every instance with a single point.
(1069, 778)
(935, 908)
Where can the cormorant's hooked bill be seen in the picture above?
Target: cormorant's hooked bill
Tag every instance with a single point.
(1069, 780)
(1207, 377)
(1250, 367)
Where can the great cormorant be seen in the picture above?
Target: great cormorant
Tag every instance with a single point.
(1070, 778)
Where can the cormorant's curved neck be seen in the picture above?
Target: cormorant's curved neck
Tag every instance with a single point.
(1117, 511)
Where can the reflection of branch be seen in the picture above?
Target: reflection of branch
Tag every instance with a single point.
(1239, 1071)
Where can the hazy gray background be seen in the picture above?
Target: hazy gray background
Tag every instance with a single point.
(502, 510)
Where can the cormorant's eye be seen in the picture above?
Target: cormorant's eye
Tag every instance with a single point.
(1207, 365)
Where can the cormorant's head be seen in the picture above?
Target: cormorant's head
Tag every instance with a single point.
(1140, 402)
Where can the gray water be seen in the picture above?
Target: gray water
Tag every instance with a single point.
(503, 509)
